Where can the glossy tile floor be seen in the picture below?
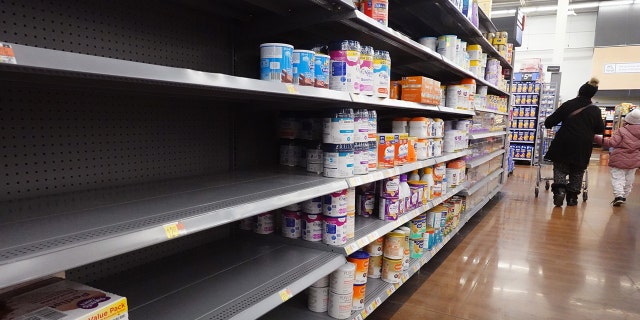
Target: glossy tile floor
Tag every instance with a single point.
(521, 258)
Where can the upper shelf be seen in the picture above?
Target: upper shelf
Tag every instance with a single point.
(438, 17)
(62, 232)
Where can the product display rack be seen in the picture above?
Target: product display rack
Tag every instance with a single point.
(548, 101)
(608, 114)
(525, 117)
(377, 290)
(143, 141)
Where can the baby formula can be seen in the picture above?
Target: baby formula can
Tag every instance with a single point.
(339, 305)
(338, 160)
(394, 245)
(447, 46)
(429, 42)
(406, 259)
(381, 73)
(391, 269)
(339, 127)
(389, 208)
(312, 206)
(318, 299)
(366, 70)
(275, 62)
(373, 155)
(361, 158)
(361, 260)
(418, 226)
(335, 204)
(303, 62)
(359, 291)
(417, 248)
(345, 66)
(321, 71)
(341, 280)
(375, 248)
(378, 10)
(421, 149)
(334, 230)
(322, 282)
(375, 267)
(291, 224)
(365, 204)
(315, 158)
(311, 227)
(264, 223)
(390, 187)
(361, 125)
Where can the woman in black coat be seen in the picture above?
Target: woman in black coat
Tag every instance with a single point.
(571, 148)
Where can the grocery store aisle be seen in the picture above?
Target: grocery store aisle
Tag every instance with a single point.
(521, 258)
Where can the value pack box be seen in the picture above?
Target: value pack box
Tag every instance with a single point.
(421, 90)
(62, 300)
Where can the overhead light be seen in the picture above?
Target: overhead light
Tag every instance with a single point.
(504, 12)
(615, 3)
(584, 5)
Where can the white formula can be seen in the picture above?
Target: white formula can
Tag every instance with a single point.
(318, 299)
(312, 206)
(339, 305)
(311, 227)
(335, 204)
(334, 231)
(264, 223)
(291, 224)
(341, 281)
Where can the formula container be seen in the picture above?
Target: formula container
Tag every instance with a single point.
(335, 204)
(373, 125)
(351, 224)
(390, 187)
(339, 305)
(361, 158)
(275, 62)
(338, 160)
(394, 245)
(321, 71)
(417, 248)
(418, 226)
(341, 281)
(406, 259)
(373, 155)
(381, 73)
(389, 208)
(421, 149)
(303, 67)
(291, 224)
(376, 247)
(334, 230)
(264, 223)
(400, 125)
(312, 206)
(429, 42)
(361, 260)
(315, 157)
(365, 204)
(391, 269)
(339, 127)
(378, 10)
(375, 267)
(419, 127)
(345, 66)
(359, 291)
(415, 195)
(361, 125)
(366, 70)
(318, 299)
(311, 227)
(447, 46)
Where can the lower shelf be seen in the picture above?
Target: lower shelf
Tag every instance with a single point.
(252, 277)
(377, 291)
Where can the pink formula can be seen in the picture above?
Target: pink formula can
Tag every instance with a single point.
(335, 204)
(264, 223)
(311, 227)
(345, 66)
(365, 204)
(291, 224)
(334, 230)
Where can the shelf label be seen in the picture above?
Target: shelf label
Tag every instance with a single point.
(356, 181)
(423, 260)
(364, 314)
(378, 301)
(6, 54)
(416, 268)
(358, 317)
(361, 242)
(370, 308)
(397, 285)
(174, 230)
(350, 248)
(378, 175)
(390, 290)
(291, 88)
(404, 277)
(285, 294)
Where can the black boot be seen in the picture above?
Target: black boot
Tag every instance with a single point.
(559, 191)
(572, 198)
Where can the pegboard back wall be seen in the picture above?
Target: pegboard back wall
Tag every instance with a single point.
(56, 141)
(142, 31)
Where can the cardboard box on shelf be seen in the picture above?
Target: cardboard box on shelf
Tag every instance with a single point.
(61, 299)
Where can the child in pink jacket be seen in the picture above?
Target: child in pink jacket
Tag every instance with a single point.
(625, 158)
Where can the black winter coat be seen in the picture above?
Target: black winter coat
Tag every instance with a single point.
(573, 143)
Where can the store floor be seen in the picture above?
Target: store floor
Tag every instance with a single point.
(521, 258)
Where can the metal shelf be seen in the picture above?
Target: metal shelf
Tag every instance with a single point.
(62, 232)
(470, 213)
(486, 22)
(486, 134)
(492, 111)
(522, 159)
(472, 189)
(386, 173)
(528, 118)
(408, 17)
(239, 279)
(534, 93)
(527, 142)
(522, 129)
(524, 105)
(478, 161)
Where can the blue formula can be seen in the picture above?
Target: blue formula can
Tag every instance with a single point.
(321, 71)
(276, 62)
(303, 66)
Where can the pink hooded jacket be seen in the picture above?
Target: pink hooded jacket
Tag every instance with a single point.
(626, 147)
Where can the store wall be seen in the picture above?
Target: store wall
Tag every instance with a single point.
(538, 38)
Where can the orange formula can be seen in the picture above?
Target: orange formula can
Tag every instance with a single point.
(378, 10)
(358, 296)
(361, 260)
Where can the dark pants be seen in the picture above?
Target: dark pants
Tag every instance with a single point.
(560, 173)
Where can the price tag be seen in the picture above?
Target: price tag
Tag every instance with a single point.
(378, 301)
(433, 252)
(370, 308)
(174, 230)
(416, 268)
(291, 88)
(397, 285)
(6, 54)
(364, 314)
(423, 260)
(361, 242)
(285, 294)
(390, 291)
(404, 277)
(358, 317)
(350, 249)
(355, 97)
(378, 175)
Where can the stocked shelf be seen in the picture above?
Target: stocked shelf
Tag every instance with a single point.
(444, 18)
(377, 290)
(522, 159)
(220, 280)
(527, 142)
(524, 105)
(492, 111)
(522, 129)
(473, 188)
(386, 173)
(527, 118)
(486, 134)
(478, 161)
(61, 232)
